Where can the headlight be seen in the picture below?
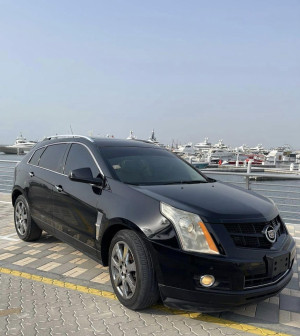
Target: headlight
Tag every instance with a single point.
(192, 232)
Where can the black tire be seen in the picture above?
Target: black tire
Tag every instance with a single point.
(26, 228)
(146, 290)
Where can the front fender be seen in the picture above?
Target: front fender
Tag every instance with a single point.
(109, 228)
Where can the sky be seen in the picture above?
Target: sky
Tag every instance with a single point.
(188, 69)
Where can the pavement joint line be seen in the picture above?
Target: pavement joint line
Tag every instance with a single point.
(106, 294)
(9, 235)
(8, 238)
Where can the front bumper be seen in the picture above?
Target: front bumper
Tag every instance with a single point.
(214, 301)
(178, 273)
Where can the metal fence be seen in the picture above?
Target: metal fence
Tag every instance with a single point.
(283, 189)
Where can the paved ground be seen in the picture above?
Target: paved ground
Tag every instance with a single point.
(49, 288)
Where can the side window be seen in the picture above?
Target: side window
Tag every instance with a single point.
(79, 157)
(52, 157)
(36, 156)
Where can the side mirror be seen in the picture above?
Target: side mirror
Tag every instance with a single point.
(85, 175)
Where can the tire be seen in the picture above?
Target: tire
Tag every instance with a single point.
(132, 274)
(26, 228)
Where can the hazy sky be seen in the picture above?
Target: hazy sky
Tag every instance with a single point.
(189, 69)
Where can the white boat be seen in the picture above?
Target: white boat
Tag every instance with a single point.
(153, 140)
(20, 146)
(186, 149)
(220, 152)
(282, 154)
(243, 149)
(220, 144)
(131, 136)
(259, 149)
(274, 156)
(205, 145)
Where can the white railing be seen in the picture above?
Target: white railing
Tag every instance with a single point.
(283, 189)
(7, 168)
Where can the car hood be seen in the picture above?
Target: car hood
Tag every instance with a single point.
(215, 202)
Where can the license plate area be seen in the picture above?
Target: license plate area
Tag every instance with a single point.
(278, 264)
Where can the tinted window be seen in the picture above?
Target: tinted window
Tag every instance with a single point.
(79, 157)
(52, 157)
(138, 165)
(36, 156)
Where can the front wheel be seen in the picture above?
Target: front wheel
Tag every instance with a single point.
(25, 226)
(131, 271)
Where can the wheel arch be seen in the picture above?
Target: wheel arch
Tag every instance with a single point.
(113, 227)
(15, 194)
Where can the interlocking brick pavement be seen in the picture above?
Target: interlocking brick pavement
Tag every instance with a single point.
(47, 310)
(34, 308)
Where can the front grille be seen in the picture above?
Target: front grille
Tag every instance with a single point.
(250, 234)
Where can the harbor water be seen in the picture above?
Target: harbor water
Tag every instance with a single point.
(11, 157)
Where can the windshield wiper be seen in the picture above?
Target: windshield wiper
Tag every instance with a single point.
(165, 183)
(186, 182)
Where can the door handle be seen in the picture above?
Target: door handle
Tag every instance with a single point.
(59, 188)
(31, 174)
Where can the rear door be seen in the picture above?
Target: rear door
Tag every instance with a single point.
(45, 165)
(75, 203)
(34, 183)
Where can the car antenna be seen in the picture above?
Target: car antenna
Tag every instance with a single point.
(71, 129)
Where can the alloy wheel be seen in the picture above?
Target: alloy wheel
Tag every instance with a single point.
(123, 269)
(21, 218)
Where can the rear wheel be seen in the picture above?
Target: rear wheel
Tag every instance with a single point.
(131, 271)
(25, 226)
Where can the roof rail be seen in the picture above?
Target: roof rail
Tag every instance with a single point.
(57, 136)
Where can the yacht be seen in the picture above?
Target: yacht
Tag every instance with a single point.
(243, 149)
(259, 149)
(131, 136)
(220, 144)
(281, 154)
(274, 156)
(205, 145)
(153, 140)
(220, 152)
(186, 149)
(21, 146)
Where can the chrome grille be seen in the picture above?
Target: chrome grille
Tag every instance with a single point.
(250, 234)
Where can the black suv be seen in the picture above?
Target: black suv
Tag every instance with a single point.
(164, 229)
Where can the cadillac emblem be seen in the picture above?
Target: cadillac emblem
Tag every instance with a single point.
(270, 233)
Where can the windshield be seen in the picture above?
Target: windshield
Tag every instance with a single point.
(148, 166)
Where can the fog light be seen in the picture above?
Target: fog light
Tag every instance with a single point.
(207, 280)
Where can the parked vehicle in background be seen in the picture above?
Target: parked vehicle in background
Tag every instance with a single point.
(163, 228)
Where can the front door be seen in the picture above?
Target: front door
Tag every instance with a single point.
(75, 203)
